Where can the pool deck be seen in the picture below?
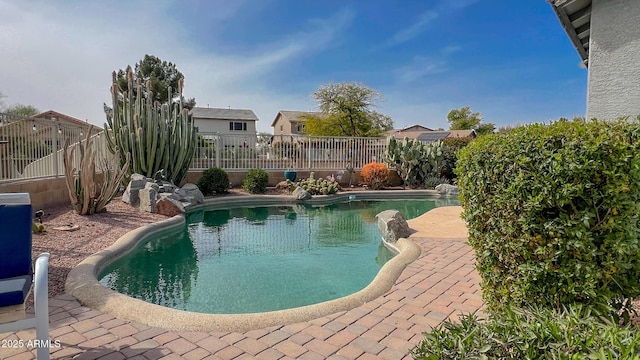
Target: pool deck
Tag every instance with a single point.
(440, 284)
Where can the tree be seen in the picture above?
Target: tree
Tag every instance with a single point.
(464, 119)
(160, 75)
(21, 111)
(346, 110)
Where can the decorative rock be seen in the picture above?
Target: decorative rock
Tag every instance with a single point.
(301, 194)
(146, 193)
(131, 194)
(282, 185)
(148, 197)
(166, 187)
(169, 207)
(446, 189)
(392, 225)
(192, 190)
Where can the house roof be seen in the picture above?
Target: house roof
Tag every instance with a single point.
(62, 117)
(575, 17)
(292, 116)
(223, 114)
(429, 136)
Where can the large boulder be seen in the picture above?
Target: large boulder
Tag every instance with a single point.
(446, 189)
(301, 194)
(169, 207)
(131, 194)
(392, 225)
(148, 197)
(191, 193)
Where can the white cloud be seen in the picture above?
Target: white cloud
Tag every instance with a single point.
(61, 58)
(415, 29)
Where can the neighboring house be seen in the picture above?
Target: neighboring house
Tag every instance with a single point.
(607, 37)
(427, 136)
(239, 123)
(410, 132)
(290, 122)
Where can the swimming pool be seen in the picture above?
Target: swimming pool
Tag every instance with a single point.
(257, 259)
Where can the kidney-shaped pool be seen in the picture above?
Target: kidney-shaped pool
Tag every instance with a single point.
(258, 259)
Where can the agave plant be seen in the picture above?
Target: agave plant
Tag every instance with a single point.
(90, 193)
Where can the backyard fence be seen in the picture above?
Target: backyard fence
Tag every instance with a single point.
(32, 148)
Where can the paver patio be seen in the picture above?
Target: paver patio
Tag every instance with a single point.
(441, 283)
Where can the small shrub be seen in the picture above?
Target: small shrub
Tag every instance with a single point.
(256, 181)
(316, 186)
(552, 212)
(432, 181)
(375, 174)
(213, 180)
(573, 333)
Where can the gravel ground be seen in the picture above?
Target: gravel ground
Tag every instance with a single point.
(95, 232)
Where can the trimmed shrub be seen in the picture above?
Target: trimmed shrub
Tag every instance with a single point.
(552, 212)
(213, 180)
(574, 333)
(256, 181)
(375, 174)
(449, 158)
(316, 186)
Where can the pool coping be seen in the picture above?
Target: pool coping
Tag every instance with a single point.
(82, 282)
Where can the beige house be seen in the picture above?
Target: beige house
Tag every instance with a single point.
(289, 122)
(607, 37)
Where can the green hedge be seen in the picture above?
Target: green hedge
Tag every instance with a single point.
(553, 212)
(573, 333)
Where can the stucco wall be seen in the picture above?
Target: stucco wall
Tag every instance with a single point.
(222, 126)
(614, 59)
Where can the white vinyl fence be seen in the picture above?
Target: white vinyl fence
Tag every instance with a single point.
(32, 148)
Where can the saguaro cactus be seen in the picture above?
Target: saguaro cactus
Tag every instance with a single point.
(158, 136)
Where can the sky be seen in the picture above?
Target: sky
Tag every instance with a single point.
(509, 60)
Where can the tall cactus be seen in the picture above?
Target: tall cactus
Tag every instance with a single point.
(158, 136)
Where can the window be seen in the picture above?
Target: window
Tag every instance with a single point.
(281, 128)
(237, 126)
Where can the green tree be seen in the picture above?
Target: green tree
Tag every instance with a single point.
(346, 109)
(464, 119)
(21, 111)
(160, 75)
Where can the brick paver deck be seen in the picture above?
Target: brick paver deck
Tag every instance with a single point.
(440, 284)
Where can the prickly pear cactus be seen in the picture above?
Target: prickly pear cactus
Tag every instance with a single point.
(413, 160)
(158, 136)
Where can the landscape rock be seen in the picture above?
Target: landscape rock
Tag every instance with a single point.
(301, 194)
(392, 225)
(148, 197)
(131, 194)
(192, 190)
(169, 207)
(446, 189)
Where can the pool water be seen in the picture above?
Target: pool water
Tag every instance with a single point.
(247, 260)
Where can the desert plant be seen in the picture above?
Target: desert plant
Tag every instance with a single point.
(374, 174)
(315, 186)
(213, 180)
(157, 136)
(413, 160)
(256, 181)
(534, 333)
(88, 193)
(552, 212)
(432, 181)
